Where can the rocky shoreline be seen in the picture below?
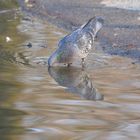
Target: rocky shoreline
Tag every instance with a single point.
(121, 32)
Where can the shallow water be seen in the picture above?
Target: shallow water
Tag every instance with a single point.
(100, 102)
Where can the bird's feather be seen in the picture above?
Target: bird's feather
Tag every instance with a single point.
(77, 44)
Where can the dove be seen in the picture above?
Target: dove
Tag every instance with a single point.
(76, 45)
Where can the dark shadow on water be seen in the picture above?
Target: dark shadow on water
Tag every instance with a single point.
(76, 81)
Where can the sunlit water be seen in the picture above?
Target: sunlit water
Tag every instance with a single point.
(101, 102)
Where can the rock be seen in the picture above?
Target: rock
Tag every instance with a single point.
(8, 39)
(29, 45)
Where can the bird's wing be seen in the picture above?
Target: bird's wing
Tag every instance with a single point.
(78, 42)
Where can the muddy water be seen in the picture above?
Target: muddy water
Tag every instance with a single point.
(100, 102)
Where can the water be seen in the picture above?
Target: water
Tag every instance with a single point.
(100, 102)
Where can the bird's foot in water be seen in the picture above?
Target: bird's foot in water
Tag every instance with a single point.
(83, 63)
(68, 65)
(96, 38)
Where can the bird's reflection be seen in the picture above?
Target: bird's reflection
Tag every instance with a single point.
(76, 81)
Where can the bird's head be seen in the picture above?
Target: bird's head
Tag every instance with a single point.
(94, 24)
(98, 23)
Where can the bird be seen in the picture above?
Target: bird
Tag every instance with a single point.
(77, 44)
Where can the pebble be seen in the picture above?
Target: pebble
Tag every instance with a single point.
(8, 39)
(29, 45)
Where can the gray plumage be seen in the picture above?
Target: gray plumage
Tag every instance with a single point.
(77, 44)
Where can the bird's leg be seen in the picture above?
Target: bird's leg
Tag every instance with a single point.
(83, 62)
(96, 37)
(68, 65)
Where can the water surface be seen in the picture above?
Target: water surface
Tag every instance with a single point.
(100, 102)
